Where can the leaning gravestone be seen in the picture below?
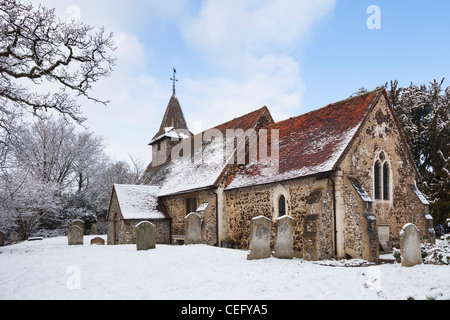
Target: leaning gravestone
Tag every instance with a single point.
(193, 229)
(410, 248)
(75, 235)
(2, 239)
(260, 230)
(145, 236)
(284, 238)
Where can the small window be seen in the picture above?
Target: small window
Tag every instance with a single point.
(191, 205)
(281, 206)
(159, 146)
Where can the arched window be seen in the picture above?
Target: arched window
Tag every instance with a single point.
(376, 177)
(281, 206)
(381, 178)
(386, 181)
(280, 201)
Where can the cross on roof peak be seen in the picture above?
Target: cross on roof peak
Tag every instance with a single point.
(174, 80)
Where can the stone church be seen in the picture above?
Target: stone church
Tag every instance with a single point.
(343, 172)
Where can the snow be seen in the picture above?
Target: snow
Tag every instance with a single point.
(202, 207)
(361, 191)
(419, 194)
(185, 174)
(51, 269)
(138, 201)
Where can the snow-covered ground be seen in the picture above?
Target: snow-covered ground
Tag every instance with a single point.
(51, 269)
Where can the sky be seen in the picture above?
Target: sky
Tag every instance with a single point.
(236, 56)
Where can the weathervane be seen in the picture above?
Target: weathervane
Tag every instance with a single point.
(174, 79)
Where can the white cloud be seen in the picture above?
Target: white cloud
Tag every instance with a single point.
(248, 43)
(253, 26)
(274, 82)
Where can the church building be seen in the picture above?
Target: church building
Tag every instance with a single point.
(344, 173)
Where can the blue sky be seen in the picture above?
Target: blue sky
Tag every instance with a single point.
(235, 56)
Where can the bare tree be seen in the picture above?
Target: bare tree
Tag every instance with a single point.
(37, 48)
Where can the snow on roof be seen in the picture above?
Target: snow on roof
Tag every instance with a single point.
(185, 174)
(309, 144)
(205, 165)
(419, 194)
(360, 190)
(138, 201)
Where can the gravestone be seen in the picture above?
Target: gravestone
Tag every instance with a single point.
(14, 238)
(193, 229)
(410, 248)
(260, 230)
(94, 229)
(98, 240)
(145, 236)
(2, 239)
(284, 238)
(78, 223)
(75, 235)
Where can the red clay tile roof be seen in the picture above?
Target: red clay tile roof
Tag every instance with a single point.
(311, 143)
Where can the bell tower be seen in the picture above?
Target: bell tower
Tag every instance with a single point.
(173, 129)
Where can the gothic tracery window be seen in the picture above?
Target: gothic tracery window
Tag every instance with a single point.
(381, 173)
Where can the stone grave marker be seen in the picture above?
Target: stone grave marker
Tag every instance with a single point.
(75, 235)
(14, 238)
(410, 248)
(145, 236)
(98, 240)
(260, 230)
(94, 229)
(79, 223)
(193, 229)
(284, 238)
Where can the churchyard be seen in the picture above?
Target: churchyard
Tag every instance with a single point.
(74, 268)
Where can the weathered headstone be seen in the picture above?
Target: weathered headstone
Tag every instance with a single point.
(14, 237)
(78, 223)
(260, 231)
(2, 239)
(94, 229)
(193, 229)
(410, 248)
(284, 238)
(75, 235)
(98, 240)
(145, 236)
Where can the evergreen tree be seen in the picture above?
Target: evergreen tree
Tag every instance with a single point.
(424, 114)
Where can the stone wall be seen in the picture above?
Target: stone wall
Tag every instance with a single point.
(360, 226)
(126, 228)
(176, 207)
(309, 202)
(380, 133)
